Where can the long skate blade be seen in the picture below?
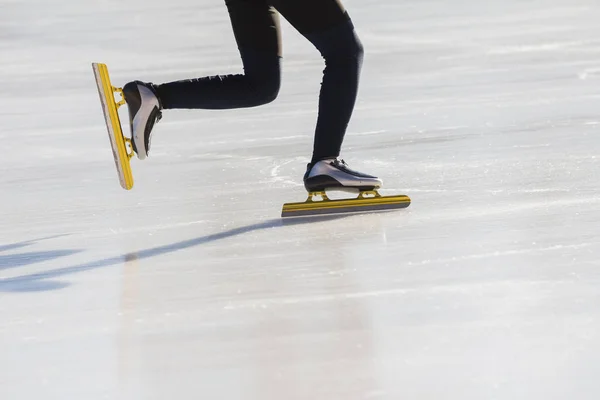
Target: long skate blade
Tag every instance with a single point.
(357, 205)
(113, 125)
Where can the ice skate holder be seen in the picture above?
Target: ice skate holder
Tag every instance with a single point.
(119, 91)
(363, 194)
(118, 103)
(313, 195)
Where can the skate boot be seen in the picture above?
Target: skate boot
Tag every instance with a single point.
(334, 174)
(144, 111)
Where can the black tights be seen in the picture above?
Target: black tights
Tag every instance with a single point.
(256, 27)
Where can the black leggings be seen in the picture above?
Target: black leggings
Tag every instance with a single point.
(256, 27)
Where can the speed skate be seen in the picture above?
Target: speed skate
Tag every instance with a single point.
(332, 173)
(121, 145)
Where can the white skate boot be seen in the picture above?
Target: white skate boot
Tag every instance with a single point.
(335, 174)
(144, 111)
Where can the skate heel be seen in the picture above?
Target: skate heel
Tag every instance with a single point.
(111, 99)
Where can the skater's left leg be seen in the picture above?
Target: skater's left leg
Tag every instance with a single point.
(327, 25)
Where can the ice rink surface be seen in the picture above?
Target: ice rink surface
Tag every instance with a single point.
(486, 113)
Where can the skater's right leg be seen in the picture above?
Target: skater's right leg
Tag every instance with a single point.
(257, 32)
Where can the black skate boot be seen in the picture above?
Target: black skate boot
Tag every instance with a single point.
(144, 111)
(335, 174)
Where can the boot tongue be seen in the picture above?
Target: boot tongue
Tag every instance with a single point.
(337, 161)
(326, 159)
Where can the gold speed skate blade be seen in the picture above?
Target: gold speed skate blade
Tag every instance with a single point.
(365, 202)
(121, 146)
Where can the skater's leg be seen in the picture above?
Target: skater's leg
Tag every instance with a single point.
(329, 28)
(256, 29)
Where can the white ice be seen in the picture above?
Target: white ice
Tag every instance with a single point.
(486, 113)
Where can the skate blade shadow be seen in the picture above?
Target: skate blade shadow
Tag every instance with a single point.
(42, 281)
(157, 251)
(22, 259)
(26, 243)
